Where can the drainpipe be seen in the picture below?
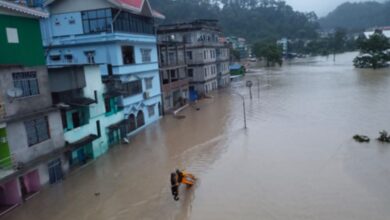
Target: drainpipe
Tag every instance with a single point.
(114, 19)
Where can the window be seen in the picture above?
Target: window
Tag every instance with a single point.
(128, 55)
(27, 82)
(151, 110)
(132, 88)
(96, 21)
(149, 83)
(12, 35)
(189, 55)
(90, 56)
(37, 130)
(131, 23)
(205, 54)
(190, 72)
(146, 55)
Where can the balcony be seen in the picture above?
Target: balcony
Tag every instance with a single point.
(175, 84)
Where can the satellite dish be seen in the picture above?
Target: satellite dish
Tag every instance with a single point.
(14, 92)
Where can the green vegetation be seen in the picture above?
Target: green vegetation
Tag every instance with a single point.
(375, 51)
(270, 51)
(337, 42)
(358, 16)
(252, 19)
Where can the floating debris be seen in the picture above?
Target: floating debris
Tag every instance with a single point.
(384, 137)
(361, 138)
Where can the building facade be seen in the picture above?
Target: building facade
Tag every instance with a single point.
(31, 137)
(92, 121)
(173, 74)
(117, 35)
(206, 56)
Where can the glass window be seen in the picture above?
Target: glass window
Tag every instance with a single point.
(189, 55)
(132, 88)
(146, 55)
(149, 83)
(27, 82)
(95, 21)
(190, 72)
(151, 110)
(37, 130)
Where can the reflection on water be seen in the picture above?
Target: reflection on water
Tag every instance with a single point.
(296, 160)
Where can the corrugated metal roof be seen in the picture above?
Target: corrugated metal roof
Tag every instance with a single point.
(23, 10)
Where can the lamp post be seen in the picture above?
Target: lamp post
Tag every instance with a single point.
(243, 105)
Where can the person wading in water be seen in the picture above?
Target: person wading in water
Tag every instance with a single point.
(178, 178)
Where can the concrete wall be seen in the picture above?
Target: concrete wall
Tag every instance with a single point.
(17, 139)
(97, 113)
(25, 104)
(202, 55)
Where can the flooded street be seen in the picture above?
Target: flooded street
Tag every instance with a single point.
(297, 159)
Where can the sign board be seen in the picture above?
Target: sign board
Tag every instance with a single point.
(249, 83)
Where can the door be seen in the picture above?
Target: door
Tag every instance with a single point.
(55, 171)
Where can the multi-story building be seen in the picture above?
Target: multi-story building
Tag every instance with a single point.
(173, 74)
(117, 35)
(31, 135)
(239, 44)
(204, 53)
(91, 118)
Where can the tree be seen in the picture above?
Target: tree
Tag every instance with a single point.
(338, 41)
(270, 51)
(374, 50)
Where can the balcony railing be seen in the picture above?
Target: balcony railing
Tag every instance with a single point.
(175, 84)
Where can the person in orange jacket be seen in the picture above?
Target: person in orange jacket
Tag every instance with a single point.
(181, 177)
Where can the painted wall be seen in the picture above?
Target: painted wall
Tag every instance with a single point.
(66, 6)
(27, 49)
(97, 113)
(25, 104)
(12, 193)
(17, 139)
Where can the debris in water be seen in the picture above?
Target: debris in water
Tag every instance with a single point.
(384, 137)
(361, 138)
(97, 194)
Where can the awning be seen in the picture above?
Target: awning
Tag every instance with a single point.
(81, 102)
(117, 125)
(81, 143)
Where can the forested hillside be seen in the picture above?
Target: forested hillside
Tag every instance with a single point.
(358, 16)
(252, 19)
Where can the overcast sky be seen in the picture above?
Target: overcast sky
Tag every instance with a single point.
(321, 7)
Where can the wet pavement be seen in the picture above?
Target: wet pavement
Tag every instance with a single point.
(297, 159)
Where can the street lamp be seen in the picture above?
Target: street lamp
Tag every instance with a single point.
(243, 105)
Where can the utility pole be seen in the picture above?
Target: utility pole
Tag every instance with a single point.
(258, 87)
(249, 84)
(244, 108)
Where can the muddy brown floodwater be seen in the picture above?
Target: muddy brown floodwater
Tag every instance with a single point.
(296, 160)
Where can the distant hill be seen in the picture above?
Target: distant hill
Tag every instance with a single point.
(253, 19)
(358, 16)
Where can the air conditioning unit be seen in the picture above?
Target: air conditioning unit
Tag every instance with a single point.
(146, 95)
